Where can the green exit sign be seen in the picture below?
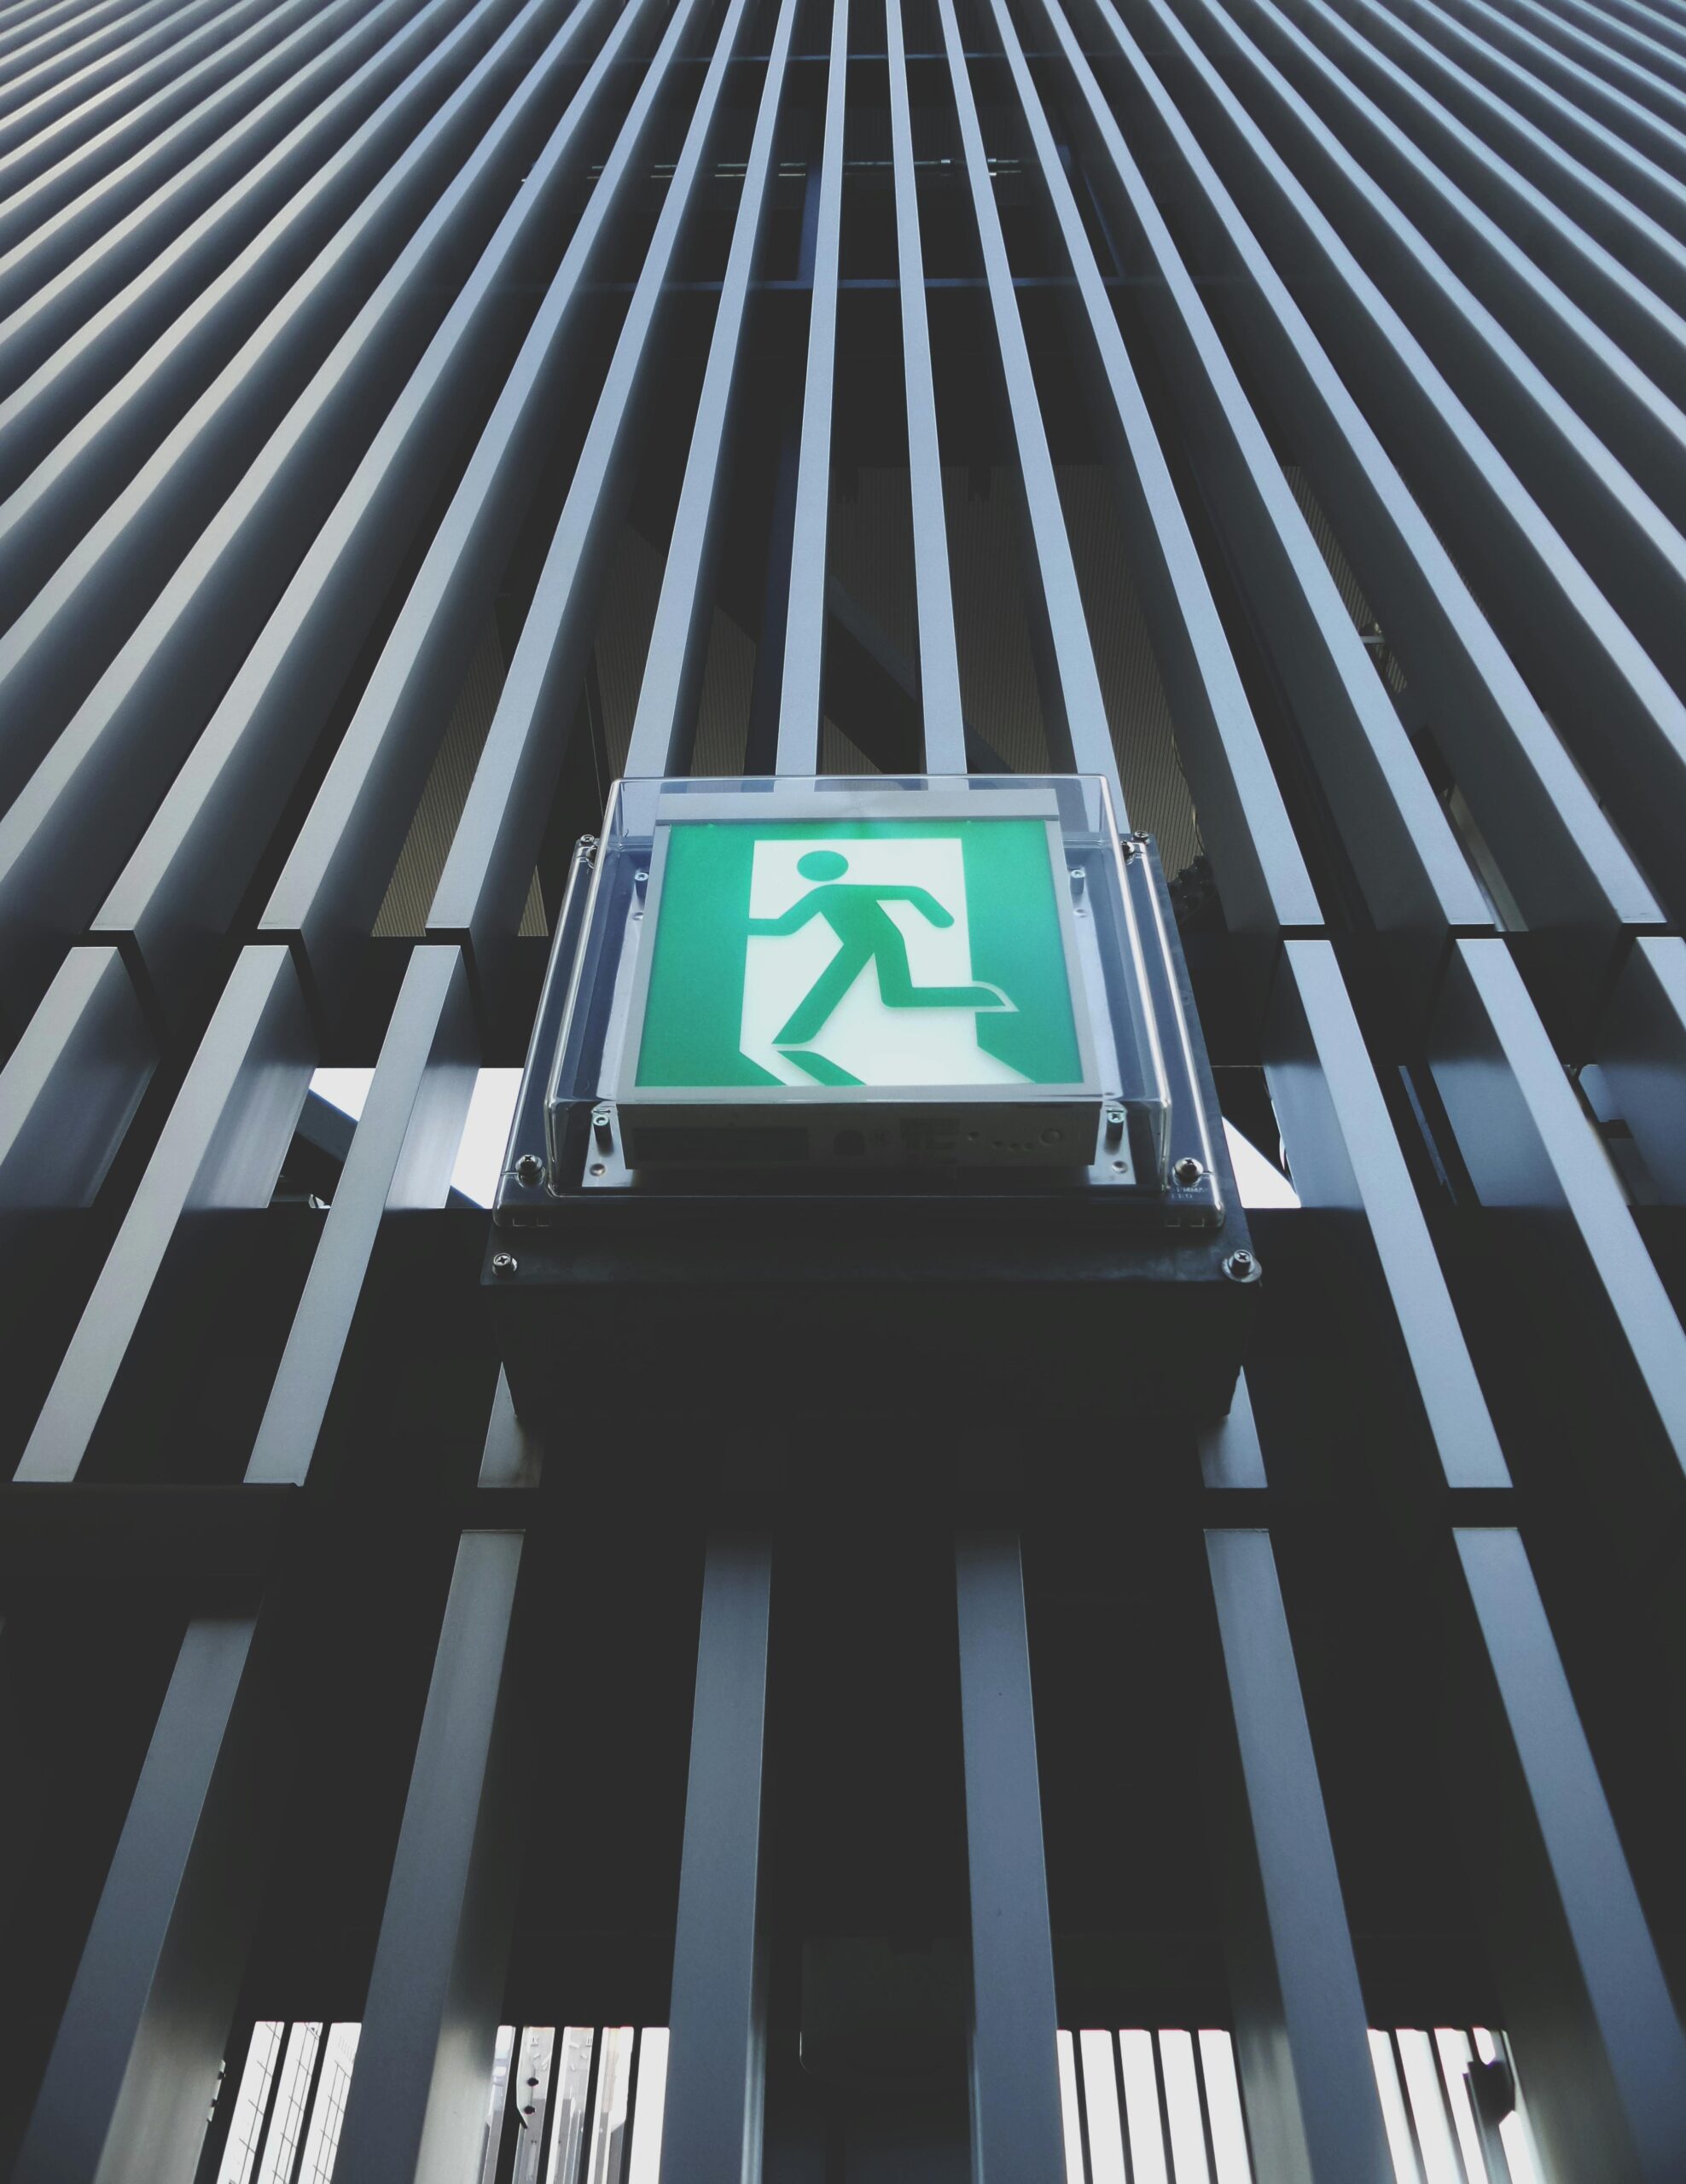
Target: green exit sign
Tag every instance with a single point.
(912, 958)
(864, 952)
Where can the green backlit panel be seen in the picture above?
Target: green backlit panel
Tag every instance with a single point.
(870, 952)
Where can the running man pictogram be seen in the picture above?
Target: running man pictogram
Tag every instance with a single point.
(866, 933)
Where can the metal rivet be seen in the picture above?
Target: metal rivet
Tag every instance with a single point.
(530, 1170)
(503, 1264)
(598, 1169)
(1187, 1171)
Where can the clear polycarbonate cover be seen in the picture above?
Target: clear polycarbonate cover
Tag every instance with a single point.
(785, 978)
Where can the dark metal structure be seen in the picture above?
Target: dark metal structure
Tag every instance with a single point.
(414, 414)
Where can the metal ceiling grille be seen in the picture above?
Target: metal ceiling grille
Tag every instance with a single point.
(414, 413)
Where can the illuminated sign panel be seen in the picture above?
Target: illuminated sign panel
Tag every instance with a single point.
(780, 976)
(859, 953)
(897, 989)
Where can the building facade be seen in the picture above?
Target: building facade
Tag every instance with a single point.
(417, 415)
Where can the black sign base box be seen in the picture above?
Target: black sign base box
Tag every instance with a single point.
(779, 1310)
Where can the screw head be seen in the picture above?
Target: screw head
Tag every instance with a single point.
(1242, 1266)
(503, 1264)
(530, 1170)
(1187, 1171)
